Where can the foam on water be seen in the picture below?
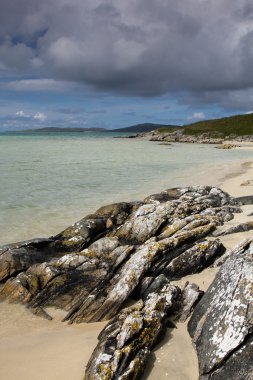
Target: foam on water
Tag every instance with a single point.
(49, 181)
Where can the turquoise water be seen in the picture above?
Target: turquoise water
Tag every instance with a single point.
(48, 181)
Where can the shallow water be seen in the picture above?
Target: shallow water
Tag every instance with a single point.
(48, 181)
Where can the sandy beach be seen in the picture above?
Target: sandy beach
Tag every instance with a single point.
(33, 348)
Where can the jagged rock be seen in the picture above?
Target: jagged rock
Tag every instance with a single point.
(144, 223)
(82, 233)
(222, 323)
(125, 343)
(17, 257)
(155, 285)
(107, 300)
(64, 281)
(91, 268)
(246, 200)
(247, 226)
(164, 196)
(194, 259)
(134, 249)
(186, 301)
(187, 259)
(236, 250)
(227, 146)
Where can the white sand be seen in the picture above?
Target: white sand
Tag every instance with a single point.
(32, 348)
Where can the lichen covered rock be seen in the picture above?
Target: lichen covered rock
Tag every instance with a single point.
(92, 267)
(127, 251)
(125, 343)
(222, 324)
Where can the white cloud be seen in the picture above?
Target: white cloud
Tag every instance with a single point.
(249, 112)
(21, 113)
(40, 116)
(197, 116)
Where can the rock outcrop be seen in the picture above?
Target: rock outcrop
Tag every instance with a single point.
(222, 323)
(130, 252)
(245, 200)
(125, 343)
(95, 265)
(227, 146)
(208, 137)
(242, 227)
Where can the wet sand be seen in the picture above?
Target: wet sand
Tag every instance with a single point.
(33, 348)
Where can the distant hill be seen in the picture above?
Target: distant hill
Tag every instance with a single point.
(56, 129)
(238, 125)
(146, 127)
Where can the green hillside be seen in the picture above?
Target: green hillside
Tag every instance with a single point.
(238, 125)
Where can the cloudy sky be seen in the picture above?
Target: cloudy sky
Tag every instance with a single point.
(113, 63)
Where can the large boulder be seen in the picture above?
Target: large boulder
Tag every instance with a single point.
(222, 323)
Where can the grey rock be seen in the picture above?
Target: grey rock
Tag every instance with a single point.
(247, 226)
(17, 257)
(238, 249)
(246, 200)
(144, 223)
(195, 259)
(222, 323)
(189, 297)
(125, 343)
(94, 266)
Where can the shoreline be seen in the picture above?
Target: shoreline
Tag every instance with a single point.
(53, 350)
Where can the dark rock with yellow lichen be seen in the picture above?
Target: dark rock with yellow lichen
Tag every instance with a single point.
(91, 268)
(125, 343)
(17, 257)
(90, 228)
(242, 227)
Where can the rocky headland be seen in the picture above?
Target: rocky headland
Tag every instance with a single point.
(178, 136)
(122, 264)
(237, 128)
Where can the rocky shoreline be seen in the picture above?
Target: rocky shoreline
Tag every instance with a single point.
(130, 252)
(204, 138)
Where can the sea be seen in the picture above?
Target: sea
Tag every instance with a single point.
(50, 180)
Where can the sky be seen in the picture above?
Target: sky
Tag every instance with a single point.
(115, 63)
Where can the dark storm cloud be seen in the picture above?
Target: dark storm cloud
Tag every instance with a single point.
(133, 47)
(233, 100)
